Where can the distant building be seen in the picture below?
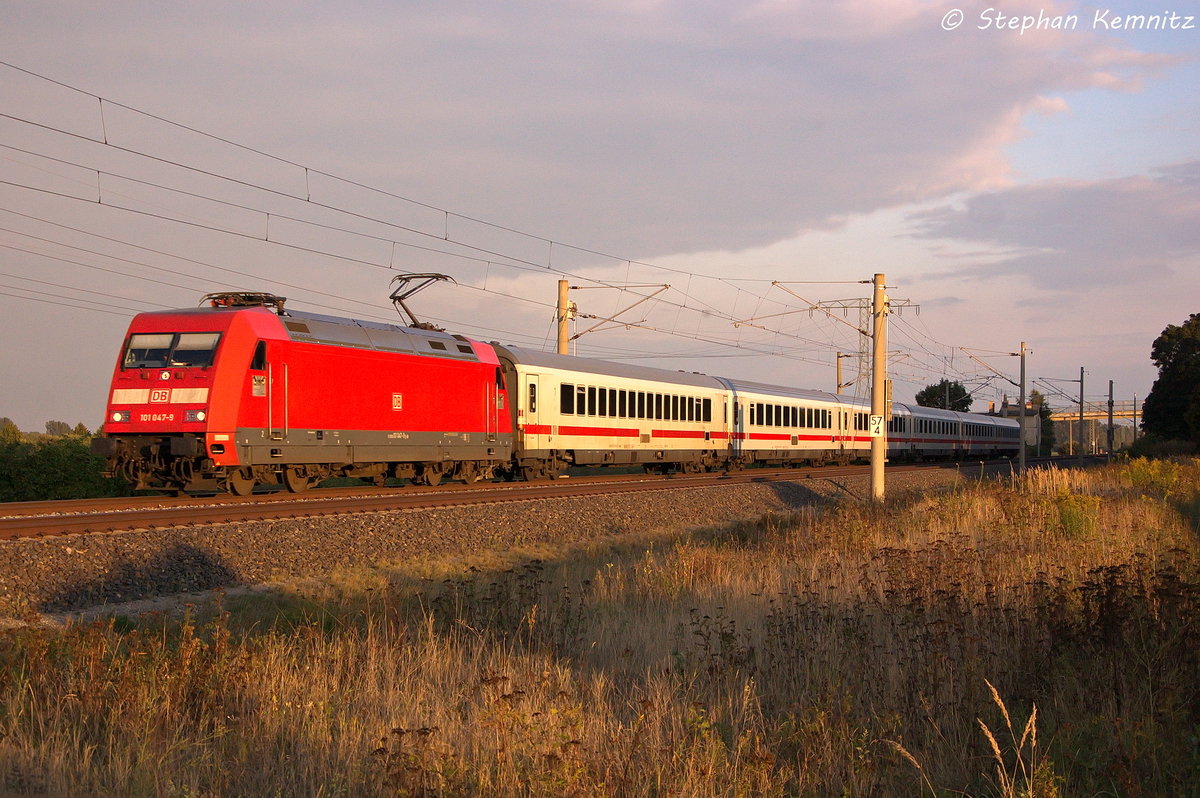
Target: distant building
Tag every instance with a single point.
(1033, 421)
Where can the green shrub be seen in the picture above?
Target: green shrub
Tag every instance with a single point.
(54, 468)
(1077, 515)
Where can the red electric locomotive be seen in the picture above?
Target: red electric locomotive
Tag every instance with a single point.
(242, 392)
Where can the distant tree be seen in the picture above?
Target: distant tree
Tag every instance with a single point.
(58, 428)
(935, 396)
(1039, 401)
(1172, 409)
(9, 432)
(81, 431)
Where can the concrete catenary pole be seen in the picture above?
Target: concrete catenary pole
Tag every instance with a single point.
(839, 373)
(878, 386)
(564, 313)
(1080, 452)
(1110, 418)
(1135, 418)
(1021, 418)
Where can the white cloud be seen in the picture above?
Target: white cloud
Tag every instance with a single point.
(1062, 233)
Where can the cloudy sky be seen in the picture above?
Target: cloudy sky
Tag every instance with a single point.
(1038, 185)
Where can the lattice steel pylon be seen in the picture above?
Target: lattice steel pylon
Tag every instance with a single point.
(862, 358)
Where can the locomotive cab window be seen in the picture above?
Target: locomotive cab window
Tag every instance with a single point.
(259, 361)
(156, 350)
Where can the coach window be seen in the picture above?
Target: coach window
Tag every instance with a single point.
(603, 402)
(581, 400)
(641, 404)
(591, 400)
(621, 397)
(771, 415)
(532, 397)
(566, 402)
(779, 415)
(612, 402)
(691, 408)
(259, 361)
(706, 409)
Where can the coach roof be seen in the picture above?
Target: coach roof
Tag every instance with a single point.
(529, 357)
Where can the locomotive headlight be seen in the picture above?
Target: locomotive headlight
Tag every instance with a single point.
(194, 415)
(120, 415)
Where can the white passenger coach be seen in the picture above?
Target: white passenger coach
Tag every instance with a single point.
(580, 411)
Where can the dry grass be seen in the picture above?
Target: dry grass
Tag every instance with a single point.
(852, 650)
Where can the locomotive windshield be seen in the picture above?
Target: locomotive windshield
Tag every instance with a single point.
(156, 350)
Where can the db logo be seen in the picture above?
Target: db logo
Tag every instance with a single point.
(160, 395)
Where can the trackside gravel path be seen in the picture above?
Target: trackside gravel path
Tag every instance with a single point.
(85, 570)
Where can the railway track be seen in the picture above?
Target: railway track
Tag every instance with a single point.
(41, 519)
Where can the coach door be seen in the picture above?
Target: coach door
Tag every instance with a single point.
(277, 391)
(738, 430)
(532, 403)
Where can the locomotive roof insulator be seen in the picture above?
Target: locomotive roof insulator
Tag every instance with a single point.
(237, 299)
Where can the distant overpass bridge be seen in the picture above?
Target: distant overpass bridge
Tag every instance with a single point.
(1123, 408)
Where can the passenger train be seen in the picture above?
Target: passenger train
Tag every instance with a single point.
(241, 392)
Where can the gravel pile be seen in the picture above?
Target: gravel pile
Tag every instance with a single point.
(78, 571)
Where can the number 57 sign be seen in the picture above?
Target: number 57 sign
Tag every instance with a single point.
(876, 426)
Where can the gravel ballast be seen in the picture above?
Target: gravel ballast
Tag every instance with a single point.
(79, 571)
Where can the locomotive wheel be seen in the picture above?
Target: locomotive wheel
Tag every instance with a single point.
(240, 482)
(295, 479)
